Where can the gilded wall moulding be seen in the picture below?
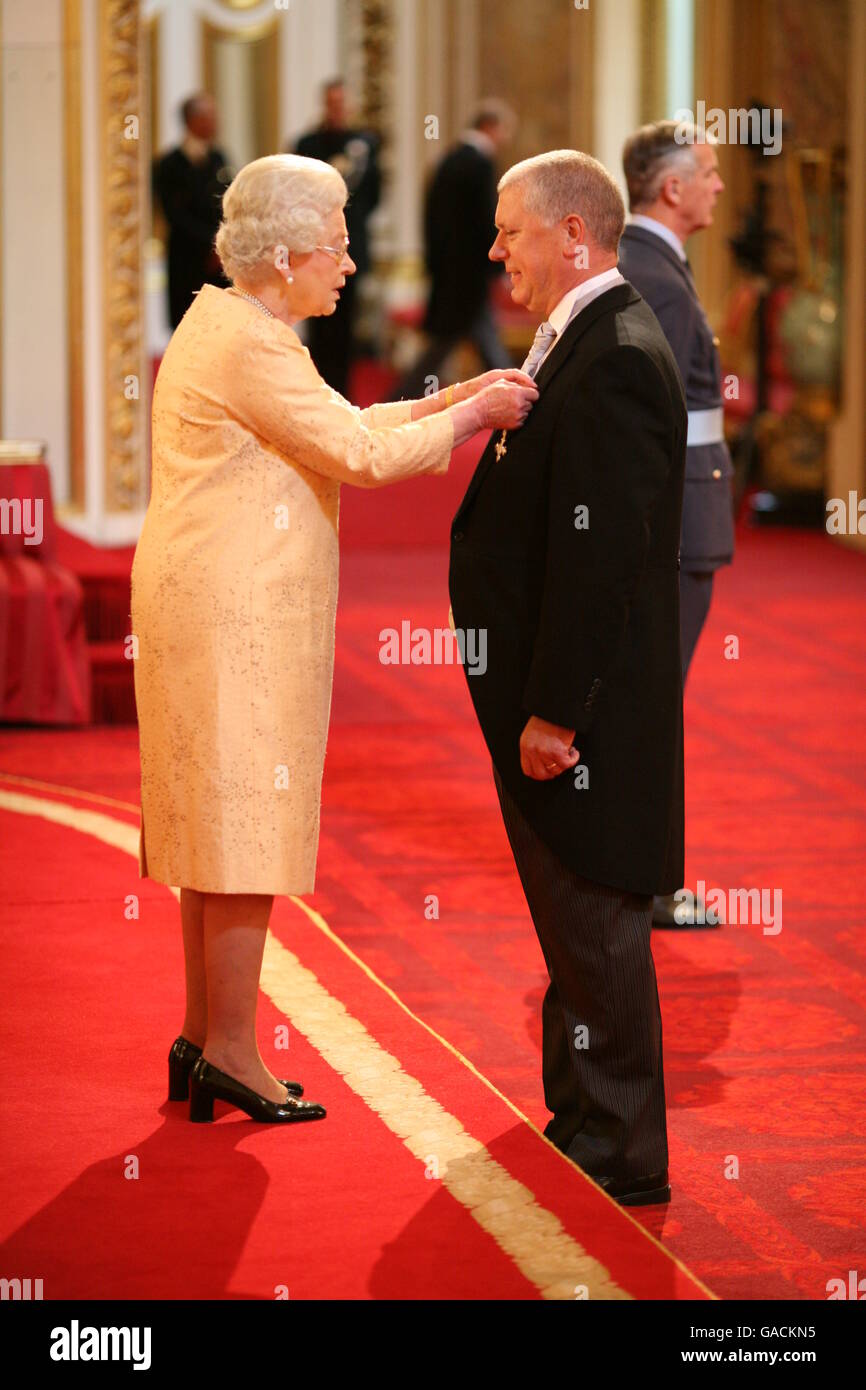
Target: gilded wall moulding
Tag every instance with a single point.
(122, 212)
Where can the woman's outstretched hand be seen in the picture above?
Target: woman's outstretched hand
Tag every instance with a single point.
(465, 389)
(507, 403)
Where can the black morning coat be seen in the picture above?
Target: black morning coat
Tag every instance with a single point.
(191, 197)
(459, 230)
(665, 282)
(582, 621)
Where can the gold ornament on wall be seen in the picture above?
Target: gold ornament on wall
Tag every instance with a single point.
(122, 211)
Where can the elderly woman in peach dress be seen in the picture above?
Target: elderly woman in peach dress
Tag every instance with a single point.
(234, 593)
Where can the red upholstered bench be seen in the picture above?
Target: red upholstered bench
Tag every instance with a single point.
(44, 668)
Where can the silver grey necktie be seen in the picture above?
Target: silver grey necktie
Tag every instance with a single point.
(540, 343)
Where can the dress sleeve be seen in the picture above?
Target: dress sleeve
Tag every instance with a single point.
(277, 392)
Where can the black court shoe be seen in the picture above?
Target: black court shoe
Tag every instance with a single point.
(208, 1083)
(182, 1058)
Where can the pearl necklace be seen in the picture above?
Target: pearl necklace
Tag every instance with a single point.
(233, 289)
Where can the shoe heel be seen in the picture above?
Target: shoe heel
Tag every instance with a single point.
(200, 1105)
(178, 1080)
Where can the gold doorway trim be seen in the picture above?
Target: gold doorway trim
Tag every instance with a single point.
(74, 290)
(122, 216)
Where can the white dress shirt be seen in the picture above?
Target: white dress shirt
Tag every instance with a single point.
(651, 224)
(577, 299)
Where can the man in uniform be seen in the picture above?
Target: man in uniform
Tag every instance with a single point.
(673, 182)
(355, 153)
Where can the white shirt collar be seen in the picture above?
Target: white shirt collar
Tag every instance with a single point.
(196, 150)
(481, 141)
(571, 302)
(651, 224)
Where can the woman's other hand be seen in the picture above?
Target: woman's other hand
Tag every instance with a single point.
(506, 404)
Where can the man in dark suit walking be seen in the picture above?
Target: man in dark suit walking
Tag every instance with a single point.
(355, 153)
(565, 552)
(673, 186)
(459, 214)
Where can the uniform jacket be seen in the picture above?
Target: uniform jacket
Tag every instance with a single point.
(666, 283)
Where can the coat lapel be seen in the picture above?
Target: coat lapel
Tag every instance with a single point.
(661, 247)
(617, 297)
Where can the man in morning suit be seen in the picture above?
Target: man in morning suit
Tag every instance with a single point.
(459, 213)
(189, 183)
(673, 186)
(565, 550)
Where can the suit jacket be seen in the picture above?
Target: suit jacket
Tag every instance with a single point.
(356, 154)
(666, 283)
(459, 230)
(191, 197)
(582, 622)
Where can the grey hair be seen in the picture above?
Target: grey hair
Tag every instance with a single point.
(567, 181)
(281, 200)
(653, 153)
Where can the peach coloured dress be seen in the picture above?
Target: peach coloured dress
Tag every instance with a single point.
(234, 593)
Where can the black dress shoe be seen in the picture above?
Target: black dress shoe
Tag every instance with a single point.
(181, 1059)
(207, 1084)
(682, 916)
(637, 1192)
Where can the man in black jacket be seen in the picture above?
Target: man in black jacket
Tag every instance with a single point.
(459, 214)
(673, 181)
(355, 153)
(565, 553)
(189, 182)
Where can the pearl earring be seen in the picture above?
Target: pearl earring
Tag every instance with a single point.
(290, 279)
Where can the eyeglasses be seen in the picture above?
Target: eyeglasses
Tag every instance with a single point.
(338, 252)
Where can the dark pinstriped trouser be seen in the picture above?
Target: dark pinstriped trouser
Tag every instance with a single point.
(607, 1097)
(696, 592)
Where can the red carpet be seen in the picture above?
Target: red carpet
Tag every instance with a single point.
(764, 1034)
(105, 1199)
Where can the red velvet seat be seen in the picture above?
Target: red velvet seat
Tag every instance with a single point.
(44, 668)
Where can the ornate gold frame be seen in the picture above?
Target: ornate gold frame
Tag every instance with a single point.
(122, 207)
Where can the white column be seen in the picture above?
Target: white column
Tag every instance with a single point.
(180, 70)
(404, 196)
(679, 56)
(34, 347)
(616, 81)
(310, 54)
(466, 91)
